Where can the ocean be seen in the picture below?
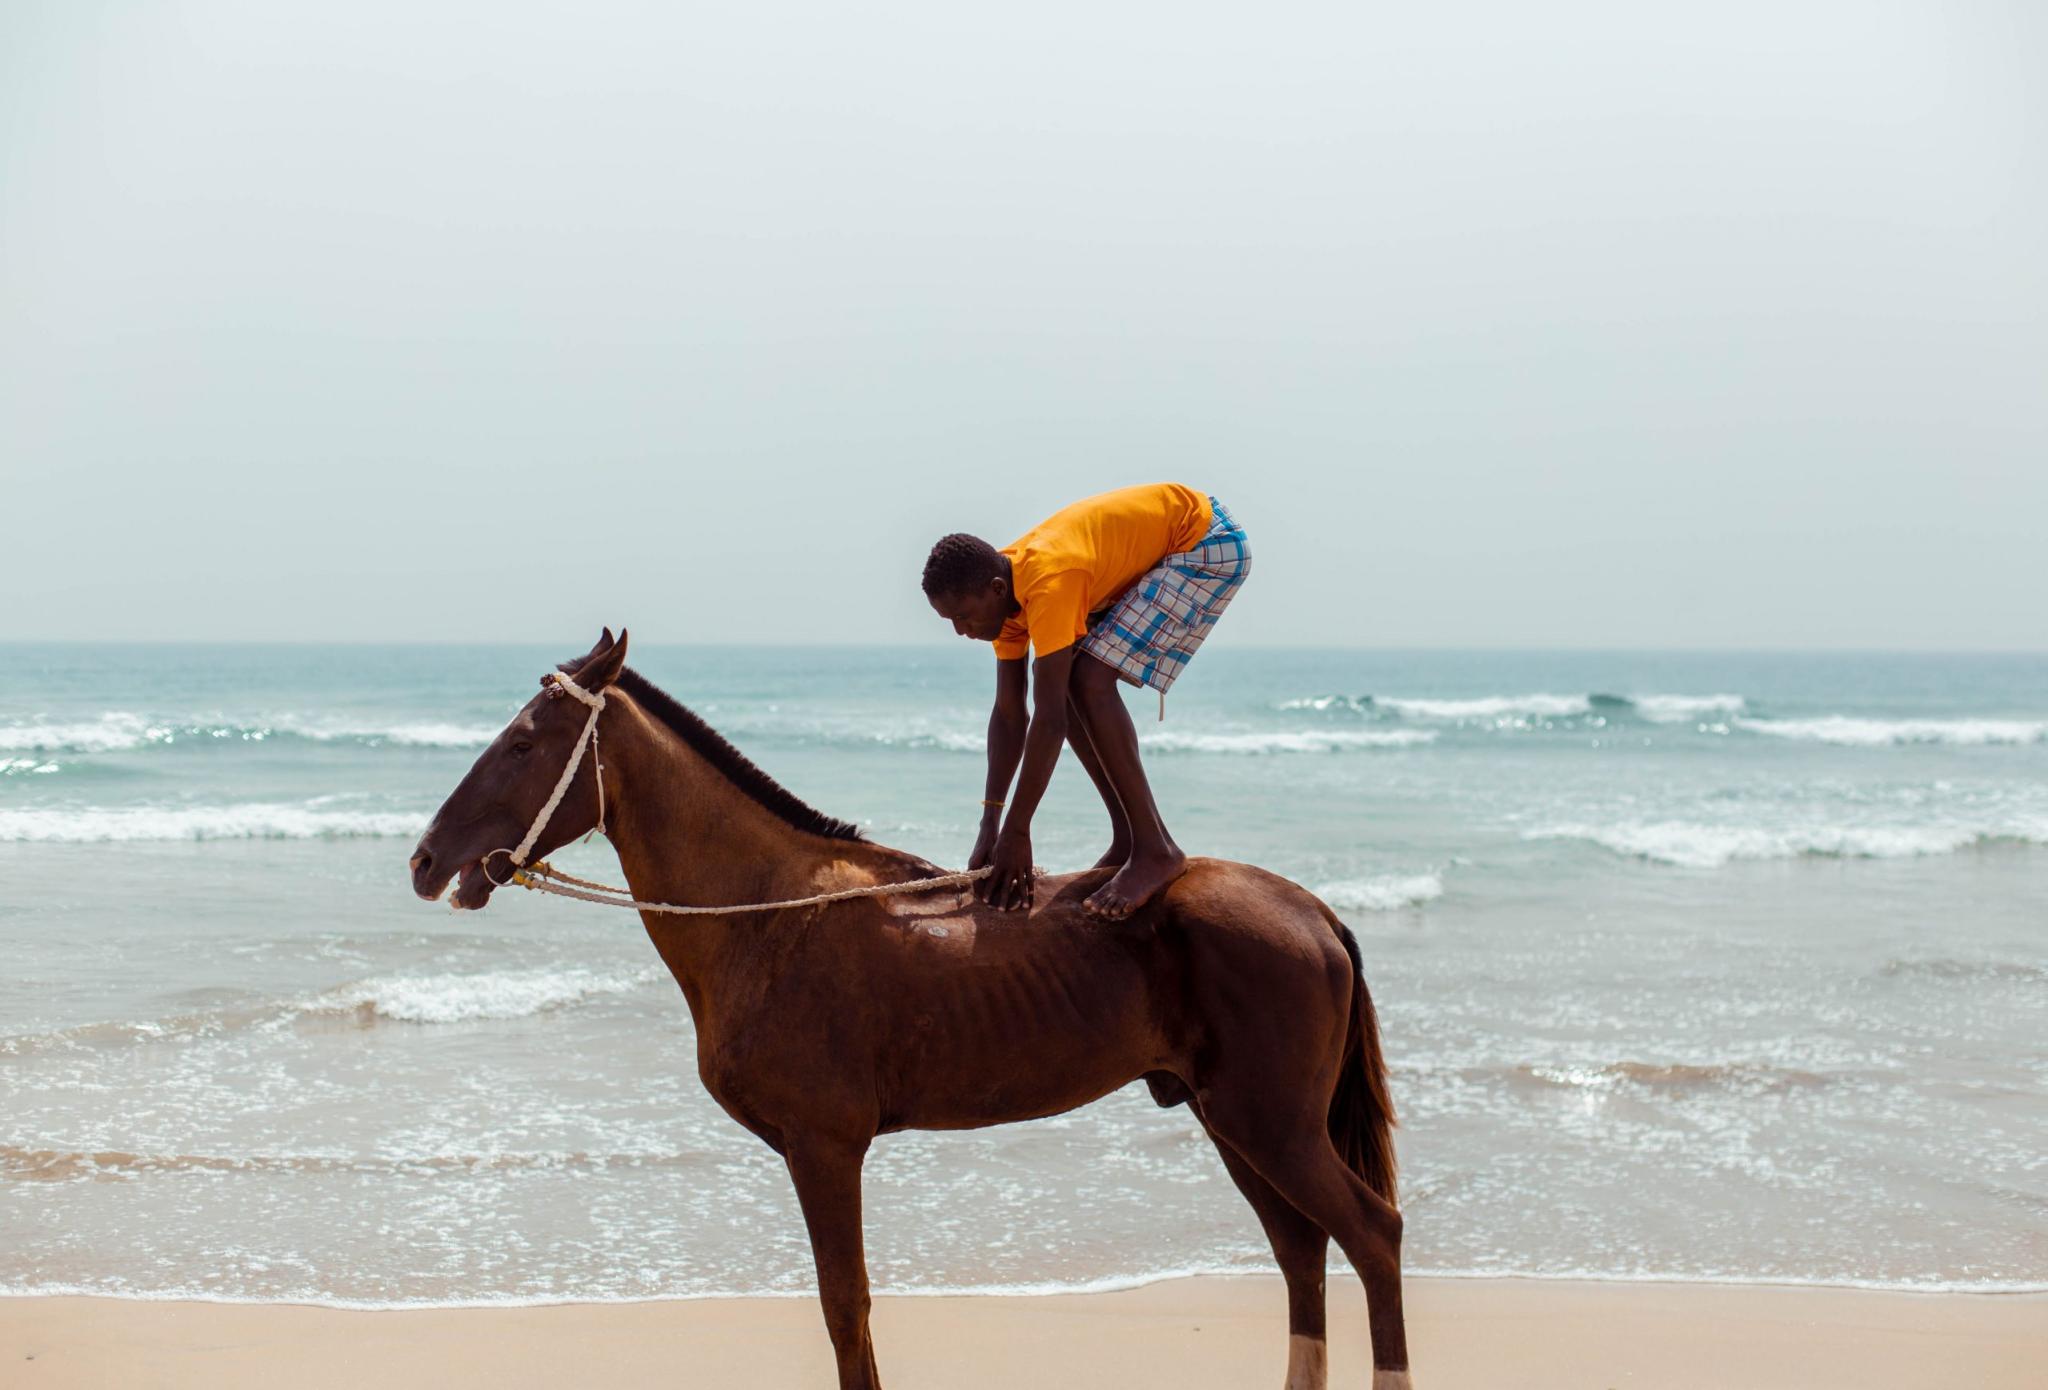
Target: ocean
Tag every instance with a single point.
(1690, 967)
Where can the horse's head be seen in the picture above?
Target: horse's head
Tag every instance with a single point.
(509, 785)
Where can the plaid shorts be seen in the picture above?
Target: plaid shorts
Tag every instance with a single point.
(1148, 635)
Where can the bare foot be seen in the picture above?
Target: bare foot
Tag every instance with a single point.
(1117, 854)
(1136, 883)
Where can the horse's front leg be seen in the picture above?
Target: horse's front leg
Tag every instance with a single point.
(827, 1177)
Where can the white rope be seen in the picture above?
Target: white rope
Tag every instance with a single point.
(585, 740)
(545, 878)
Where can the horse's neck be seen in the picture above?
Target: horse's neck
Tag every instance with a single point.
(685, 834)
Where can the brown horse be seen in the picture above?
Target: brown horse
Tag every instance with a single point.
(1235, 992)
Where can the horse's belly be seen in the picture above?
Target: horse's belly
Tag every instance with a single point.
(988, 1046)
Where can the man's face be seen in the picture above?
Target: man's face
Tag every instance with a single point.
(976, 613)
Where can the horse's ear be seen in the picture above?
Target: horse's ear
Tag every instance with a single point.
(604, 643)
(602, 666)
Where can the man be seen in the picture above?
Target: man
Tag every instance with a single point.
(1124, 586)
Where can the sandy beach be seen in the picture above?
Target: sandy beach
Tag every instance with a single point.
(1194, 1333)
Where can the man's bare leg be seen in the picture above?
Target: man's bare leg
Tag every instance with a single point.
(1084, 749)
(1155, 859)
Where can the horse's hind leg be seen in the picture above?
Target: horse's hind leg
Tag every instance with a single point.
(1290, 1149)
(1302, 1249)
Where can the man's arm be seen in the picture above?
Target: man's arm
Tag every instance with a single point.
(1010, 885)
(1006, 724)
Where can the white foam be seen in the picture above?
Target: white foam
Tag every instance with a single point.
(1049, 1288)
(246, 821)
(951, 742)
(1877, 733)
(1325, 702)
(111, 732)
(493, 994)
(848, 731)
(1699, 846)
(1490, 707)
(1675, 709)
(120, 730)
(1288, 741)
(415, 735)
(1387, 893)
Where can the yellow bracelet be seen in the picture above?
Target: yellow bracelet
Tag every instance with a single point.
(997, 804)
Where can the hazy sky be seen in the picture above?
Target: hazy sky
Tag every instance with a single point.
(1495, 324)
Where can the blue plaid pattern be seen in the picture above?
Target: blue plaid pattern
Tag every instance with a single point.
(1150, 633)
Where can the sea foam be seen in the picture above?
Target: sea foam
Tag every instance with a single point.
(119, 731)
(1674, 709)
(110, 732)
(1288, 741)
(1488, 707)
(424, 734)
(245, 821)
(1878, 733)
(1386, 893)
(1657, 709)
(495, 994)
(1691, 844)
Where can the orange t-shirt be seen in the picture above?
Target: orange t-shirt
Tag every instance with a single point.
(1079, 559)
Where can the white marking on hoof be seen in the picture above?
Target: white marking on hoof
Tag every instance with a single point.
(1308, 1363)
(1391, 1380)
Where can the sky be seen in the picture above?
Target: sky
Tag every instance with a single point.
(1495, 325)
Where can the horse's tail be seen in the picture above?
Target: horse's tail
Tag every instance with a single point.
(1361, 1111)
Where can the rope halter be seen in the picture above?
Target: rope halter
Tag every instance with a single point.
(558, 685)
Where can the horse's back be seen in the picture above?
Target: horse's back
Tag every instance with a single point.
(1229, 953)
(946, 1013)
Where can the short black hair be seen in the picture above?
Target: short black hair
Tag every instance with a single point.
(959, 564)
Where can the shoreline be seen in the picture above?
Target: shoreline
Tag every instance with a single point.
(1196, 1332)
(1113, 1284)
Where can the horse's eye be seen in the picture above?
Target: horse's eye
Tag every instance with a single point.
(521, 749)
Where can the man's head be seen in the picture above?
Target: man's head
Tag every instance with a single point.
(967, 582)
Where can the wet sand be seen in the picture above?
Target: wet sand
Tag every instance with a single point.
(1194, 1333)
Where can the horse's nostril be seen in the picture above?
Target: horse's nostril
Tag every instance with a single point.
(421, 861)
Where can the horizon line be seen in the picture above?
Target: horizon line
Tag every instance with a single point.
(1776, 649)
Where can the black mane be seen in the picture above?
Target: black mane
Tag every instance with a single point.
(735, 765)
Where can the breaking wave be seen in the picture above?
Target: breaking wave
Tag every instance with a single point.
(254, 820)
(1288, 741)
(1165, 741)
(1387, 893)
(423, 734)
(432, 998)
(495, 994)
(121, 731)
(1693, 845)
(108, 733)
(1879, 733)
(1676, 709)
(1487, 707)
(1657, 709)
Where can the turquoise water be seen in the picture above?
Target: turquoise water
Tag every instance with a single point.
(1699, 967)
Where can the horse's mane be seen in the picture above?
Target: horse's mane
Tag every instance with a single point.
(737, 768)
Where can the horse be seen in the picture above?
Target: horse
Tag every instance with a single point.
(1235, 992)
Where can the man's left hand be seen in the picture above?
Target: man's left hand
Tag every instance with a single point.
(1008, 885)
